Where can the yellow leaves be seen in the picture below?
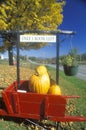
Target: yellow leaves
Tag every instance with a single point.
(3, 25)
(8, 74)
(3, 16)
(50, 16)
(37, 3)
(32, 14)
(2, 11)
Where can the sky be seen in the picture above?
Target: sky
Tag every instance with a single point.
(74, 13)
(74, 19)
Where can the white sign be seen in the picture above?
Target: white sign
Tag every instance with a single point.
(37, 38)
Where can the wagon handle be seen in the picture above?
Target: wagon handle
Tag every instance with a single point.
(75, 96)
(36, 124)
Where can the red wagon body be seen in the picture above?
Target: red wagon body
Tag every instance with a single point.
(23, 104)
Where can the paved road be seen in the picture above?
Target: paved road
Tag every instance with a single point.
(82, 72)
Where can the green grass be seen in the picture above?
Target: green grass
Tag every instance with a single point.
(11, 125)
(71, 85)
(74, 86)
(3, 61)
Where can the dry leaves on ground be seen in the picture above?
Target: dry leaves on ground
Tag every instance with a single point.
(8, 74)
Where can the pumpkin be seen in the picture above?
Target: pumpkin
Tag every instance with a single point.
(54, 89)
(39, 82)
(41, 70)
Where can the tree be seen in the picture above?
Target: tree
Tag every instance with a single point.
(29, 14)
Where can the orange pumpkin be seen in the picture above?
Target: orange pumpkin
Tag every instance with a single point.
(40, 82)
(54, 89)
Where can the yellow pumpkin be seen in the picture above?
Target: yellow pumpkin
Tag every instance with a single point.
(40, 82)
(41, 70)
(54, 89)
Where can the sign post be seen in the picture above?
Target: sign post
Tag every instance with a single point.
(57, 58)
(18, 59)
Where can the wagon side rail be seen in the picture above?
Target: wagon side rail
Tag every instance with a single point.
(63, 117)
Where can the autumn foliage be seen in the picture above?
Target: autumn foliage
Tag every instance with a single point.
(31, 14)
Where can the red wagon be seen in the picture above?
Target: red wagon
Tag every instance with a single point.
(23, 104)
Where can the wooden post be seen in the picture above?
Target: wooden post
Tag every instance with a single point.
(18, 60)
(57, 57)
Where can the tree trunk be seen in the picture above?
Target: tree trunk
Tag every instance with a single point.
(10, 54)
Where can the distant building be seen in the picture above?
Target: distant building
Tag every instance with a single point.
(2, 57)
